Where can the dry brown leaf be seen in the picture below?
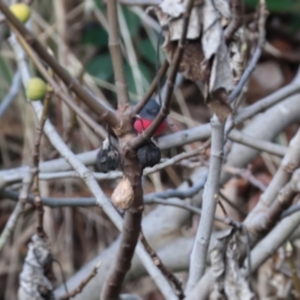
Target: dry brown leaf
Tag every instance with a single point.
(34, 283)
(190, 65)
(214, 47)
(169, 15)
(230, 282)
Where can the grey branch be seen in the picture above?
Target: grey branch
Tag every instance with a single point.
(17, 212)
(12, 94)
(211, 189)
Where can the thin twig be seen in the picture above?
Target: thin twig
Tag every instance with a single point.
(168, 274)
(247, 175)
(267, 102)
(57, 90)
(104, 112)
(165, 108)
(82, 284)
(17, 212)
(73, 118)
(233, 205)
(115, 52)
(11, 95)
(288, 164)
(161, 73)
(236, 19)
(265, 146)
(35, 166)
(148, 199)
(291, 210)
(89, 158)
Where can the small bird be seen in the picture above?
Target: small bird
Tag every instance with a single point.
(148, 114)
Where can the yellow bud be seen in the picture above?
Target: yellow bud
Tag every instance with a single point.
(36, 89)
(21, 11)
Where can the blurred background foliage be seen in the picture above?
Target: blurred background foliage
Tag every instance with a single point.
(144, 40)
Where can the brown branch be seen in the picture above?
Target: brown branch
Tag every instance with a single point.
(168, 274)
(236, 19)
(161, 73)
(82, 284)
(35, 166)
(232, 204)
(165, 109)
(57, 90)
(73, 122)
(104, 112)
(133, 216)
(132, 220)
(115, 52)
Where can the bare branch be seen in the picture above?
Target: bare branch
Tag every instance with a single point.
(104, 112)
(269, 245)
(116, 54)
(289, 163)
(152, 88)
(11, 95)
(82, 284)
(35, 166)
(236, 19)
(265, 103)
(168, 274)
(17, 212)
(211, 189)
(57, 90)
(265, 146)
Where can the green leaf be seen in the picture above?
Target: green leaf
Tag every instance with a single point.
(5, 70)
(101, 67)
(129, 78)
(132, 20)
(147, 50)
(100, 4)
(145, 71)
(279, 6)
(94, 34)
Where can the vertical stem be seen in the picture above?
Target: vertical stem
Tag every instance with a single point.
(210, 193)
(130, 233)
(35, 166)
(115, 52)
